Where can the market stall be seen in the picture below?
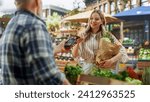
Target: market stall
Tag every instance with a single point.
(137, 32)
(74, 72)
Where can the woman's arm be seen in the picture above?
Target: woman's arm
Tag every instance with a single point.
(122, 55)
(75, 50)
(116, 58)
(110, 62)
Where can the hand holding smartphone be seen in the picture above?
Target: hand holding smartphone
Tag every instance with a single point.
(71, 42)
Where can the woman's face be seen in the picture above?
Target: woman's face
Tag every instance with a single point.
(95, 21)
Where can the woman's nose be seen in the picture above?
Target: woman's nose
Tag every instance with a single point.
(93, 20)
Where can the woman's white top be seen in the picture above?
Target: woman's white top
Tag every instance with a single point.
(87, 50)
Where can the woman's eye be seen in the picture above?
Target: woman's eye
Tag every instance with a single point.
(96, 19)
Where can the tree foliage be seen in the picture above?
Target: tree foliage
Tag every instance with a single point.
(53, 22)
(73, 12)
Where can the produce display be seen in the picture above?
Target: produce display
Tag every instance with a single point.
(123, 76)
(64, 57)
(132, 73)
(130, 76)
(146, 76)
(128, 41)
(133, 81)
(144, 54)
(108, 48)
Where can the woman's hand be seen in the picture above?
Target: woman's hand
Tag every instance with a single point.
(61, 46)
(80, 40)
(107, 63)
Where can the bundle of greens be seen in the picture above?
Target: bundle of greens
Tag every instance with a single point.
(107, 48)
(72, 73)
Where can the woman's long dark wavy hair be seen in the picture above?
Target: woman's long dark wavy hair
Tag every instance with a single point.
(101, 30)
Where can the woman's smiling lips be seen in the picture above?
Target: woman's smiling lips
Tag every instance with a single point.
(94, 24)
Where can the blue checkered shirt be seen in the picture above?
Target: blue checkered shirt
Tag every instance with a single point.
(26, 52)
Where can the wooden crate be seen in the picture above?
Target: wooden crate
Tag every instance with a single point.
(143, 64)
(93, 80)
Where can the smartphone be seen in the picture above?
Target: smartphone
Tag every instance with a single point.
(71, 42)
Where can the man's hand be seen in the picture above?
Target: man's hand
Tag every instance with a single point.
(60, 48)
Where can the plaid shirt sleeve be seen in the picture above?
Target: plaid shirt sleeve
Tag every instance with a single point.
(37, 46)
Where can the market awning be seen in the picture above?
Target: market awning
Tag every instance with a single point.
(83, 17)
(138, 13)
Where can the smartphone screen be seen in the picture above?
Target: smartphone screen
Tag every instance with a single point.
(70, 42)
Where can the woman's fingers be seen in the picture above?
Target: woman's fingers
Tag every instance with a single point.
(79, 40)
(105, 64)
(101, 64)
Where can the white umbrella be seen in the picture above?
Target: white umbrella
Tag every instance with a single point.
(83, 17)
